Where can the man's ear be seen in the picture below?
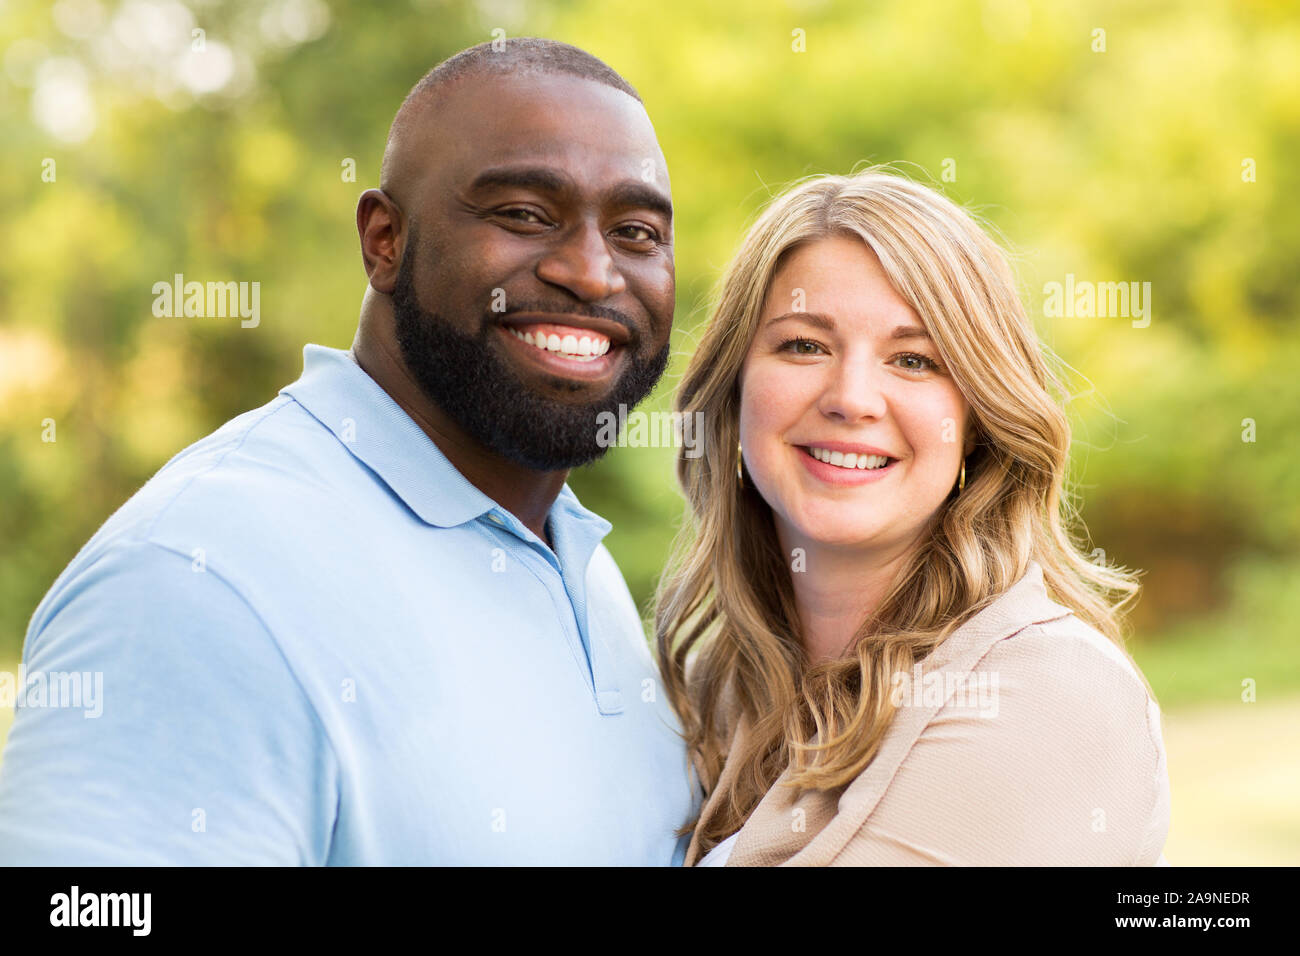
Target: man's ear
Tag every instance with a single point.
(382, 229)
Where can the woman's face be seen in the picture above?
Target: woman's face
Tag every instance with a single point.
(842, 369)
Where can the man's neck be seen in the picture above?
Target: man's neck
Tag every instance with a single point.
(524, 492)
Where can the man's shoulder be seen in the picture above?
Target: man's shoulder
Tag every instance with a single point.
(258, 466)
(221, 493)
(277, 447)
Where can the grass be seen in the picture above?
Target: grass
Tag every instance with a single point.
(1234, 781)
(1208, 660)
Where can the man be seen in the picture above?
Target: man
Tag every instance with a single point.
(368, 623)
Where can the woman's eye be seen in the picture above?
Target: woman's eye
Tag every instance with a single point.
(802, 346)
(912, 362)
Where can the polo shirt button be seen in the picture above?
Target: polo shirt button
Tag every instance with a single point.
(495, 519)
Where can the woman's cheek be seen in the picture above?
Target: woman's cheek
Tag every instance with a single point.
(766, 414)
(934, 430)
(760, 402)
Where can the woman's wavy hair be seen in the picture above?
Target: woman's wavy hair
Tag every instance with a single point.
(727, 631)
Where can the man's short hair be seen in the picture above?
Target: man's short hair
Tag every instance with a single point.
(520, 55)
(512, 55)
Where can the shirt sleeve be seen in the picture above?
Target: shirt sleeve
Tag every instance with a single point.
(188, 740)
(1048, 755)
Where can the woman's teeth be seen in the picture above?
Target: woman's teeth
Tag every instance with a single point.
(840, 460)
(580, 349)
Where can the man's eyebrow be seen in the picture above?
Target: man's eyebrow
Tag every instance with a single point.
(827, 324)
(640, 196)
(542, 178)
(547, 179)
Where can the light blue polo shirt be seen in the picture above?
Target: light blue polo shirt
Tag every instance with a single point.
(320, 644)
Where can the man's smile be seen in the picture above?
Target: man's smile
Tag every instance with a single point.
(572, 346)
(563, 340)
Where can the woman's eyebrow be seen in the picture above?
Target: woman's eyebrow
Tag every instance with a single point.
(823, 322)
(827, 324)
(909, 332)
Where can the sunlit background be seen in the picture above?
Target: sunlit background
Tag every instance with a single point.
(1111, 142)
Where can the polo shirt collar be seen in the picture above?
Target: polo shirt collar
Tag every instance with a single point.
(377, 431)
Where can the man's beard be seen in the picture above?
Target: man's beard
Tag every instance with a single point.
(463, 376)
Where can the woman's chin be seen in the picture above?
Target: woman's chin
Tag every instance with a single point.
(832, 529)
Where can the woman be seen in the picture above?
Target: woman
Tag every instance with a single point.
(883, 641)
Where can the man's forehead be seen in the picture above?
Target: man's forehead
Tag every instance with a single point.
(512, 118)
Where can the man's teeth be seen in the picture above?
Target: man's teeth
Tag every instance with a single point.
(840, 460)
(584, 349)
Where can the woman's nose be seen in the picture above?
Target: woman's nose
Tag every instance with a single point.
(854, 392)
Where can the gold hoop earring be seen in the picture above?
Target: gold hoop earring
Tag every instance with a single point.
(740, 475)
(961, 482)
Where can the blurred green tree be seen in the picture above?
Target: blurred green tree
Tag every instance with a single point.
(1157, 150)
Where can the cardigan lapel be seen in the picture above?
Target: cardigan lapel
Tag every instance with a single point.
(810, 828)
(729, 770)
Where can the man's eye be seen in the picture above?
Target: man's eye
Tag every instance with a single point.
(519, 214)
(646, 234)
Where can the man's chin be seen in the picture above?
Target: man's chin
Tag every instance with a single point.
(560, 464)
(571, 442)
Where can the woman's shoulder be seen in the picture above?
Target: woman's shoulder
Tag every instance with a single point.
(1063, 684)
(1051, 731)
(1069, 656)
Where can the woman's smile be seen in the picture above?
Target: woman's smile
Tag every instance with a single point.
(828, 463)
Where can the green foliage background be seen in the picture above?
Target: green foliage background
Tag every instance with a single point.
(1122, 165)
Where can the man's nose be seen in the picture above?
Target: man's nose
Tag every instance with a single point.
(581, 263)
(854, 392)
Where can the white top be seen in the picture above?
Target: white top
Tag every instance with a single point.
(719, 855)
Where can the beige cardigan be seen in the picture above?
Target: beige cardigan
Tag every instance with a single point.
(1026, 738)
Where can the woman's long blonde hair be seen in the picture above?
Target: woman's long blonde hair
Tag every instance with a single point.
(726, 602)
